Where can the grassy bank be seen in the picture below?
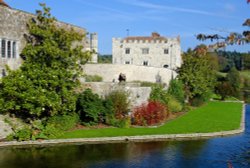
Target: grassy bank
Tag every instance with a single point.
(212, 117)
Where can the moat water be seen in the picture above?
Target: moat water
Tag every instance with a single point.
(211, 153)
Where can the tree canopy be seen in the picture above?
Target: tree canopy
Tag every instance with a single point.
(197, 75)
(44, 84)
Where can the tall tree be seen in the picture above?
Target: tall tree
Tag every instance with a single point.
(197, 75)
(44, 84)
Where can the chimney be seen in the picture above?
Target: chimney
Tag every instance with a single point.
(2, 3)
(155, 35)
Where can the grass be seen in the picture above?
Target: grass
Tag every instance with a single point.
(212, 117)
(245, 74)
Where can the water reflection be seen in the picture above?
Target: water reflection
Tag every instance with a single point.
(216, 152)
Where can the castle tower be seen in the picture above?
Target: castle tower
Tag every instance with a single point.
(94, 46)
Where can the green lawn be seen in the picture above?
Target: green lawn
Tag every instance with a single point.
(245, 74)
(212, 117)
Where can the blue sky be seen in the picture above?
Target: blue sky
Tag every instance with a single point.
(112, 18)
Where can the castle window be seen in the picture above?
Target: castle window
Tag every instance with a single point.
(166, 51)
(14, 50)
(127, 62)
(3, 48)
(127, 50)
(145, 63)
(145, 50)
(9, 49)
(3, 73)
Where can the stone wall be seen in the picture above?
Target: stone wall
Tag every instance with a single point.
(137, 94)
(13, 27)
(110, 72)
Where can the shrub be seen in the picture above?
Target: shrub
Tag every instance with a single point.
(149, 114)
(176, 89)
(159, 94)
(93, 78)
(89, 106)
(23, 134)
(119, 99)
(64, 122)
(174, 105)
(108, 115)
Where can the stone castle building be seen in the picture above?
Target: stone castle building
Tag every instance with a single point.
(154, 51)
(13, 27)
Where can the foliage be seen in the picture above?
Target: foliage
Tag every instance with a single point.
(119, 99)
(106, 59)
(197, 75)
(149, 114)
(233, 78)
(174, 105)
(232, 38)
(93, 78)
(212, 117)
(246, 61)
(148, 84)
(23, 134)
(89, 106)
(176, 89)
(160, 94)
(224, 89)
(163, 96)
(64, 122)
(228, 60)
(44, 84)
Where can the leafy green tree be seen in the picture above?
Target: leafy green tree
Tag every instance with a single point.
(246, 61)
(44, 85)
(197, 75)
(176, 89)
(233, 78)
(105, 59)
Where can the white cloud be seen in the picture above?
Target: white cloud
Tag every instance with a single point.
(143, 4)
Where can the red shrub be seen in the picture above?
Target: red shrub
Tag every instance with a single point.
(149, 114)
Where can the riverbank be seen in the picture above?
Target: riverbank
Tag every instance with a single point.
(141, 138)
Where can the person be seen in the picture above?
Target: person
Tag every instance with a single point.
(122, 77)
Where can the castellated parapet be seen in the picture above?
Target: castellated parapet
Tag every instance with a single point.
(153, 51)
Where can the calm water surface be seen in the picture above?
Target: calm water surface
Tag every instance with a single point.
(212, 153)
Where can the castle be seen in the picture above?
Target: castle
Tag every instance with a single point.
(153, 51)
(12, 41)
(142, 58)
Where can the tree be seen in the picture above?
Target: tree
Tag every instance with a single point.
(233, 78)
(232, 38)
(197, 75)
(44, 85)
(229, 85)
(176, 89)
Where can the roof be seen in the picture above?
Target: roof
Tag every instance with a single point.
(2, 3)
(154, 36)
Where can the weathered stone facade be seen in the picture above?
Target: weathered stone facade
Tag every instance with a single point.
(154, 51)
(136, 94)
(13, 26)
